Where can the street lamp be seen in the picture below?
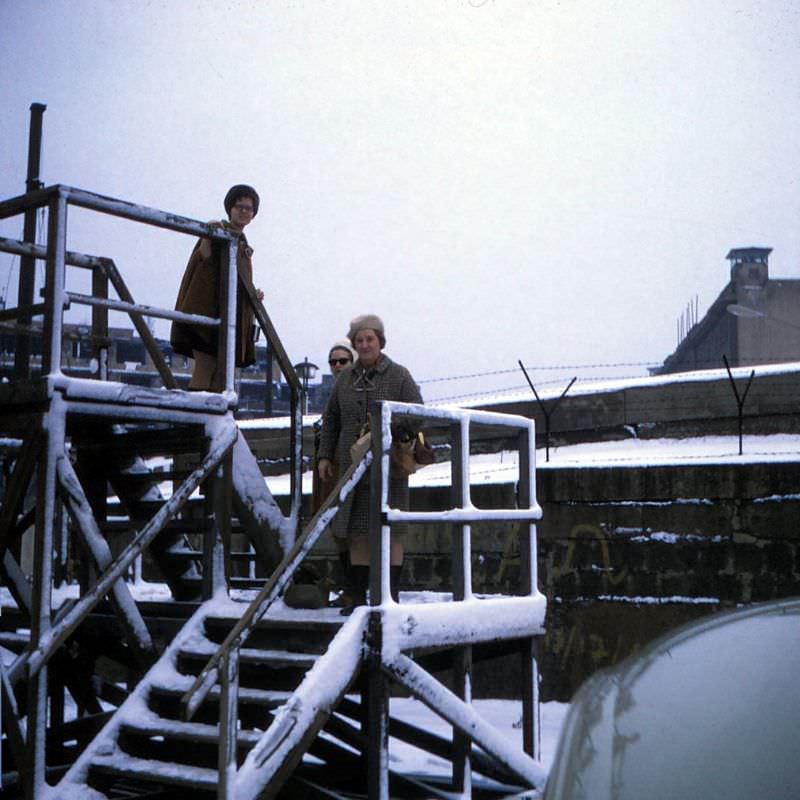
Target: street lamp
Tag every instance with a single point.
(305, 371)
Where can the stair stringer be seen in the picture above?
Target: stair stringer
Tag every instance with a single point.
(298, 721)
(73, 785)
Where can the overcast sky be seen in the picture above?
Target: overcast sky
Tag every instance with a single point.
(500, 180)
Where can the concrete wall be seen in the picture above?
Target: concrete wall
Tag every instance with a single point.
(624, 555)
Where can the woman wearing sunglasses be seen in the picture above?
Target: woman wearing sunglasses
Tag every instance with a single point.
(374, 376)
(340, 357)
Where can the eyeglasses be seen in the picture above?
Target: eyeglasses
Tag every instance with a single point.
(340, 362)
(245, 209)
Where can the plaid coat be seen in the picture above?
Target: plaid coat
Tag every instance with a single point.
(345, 414)
(199, 294)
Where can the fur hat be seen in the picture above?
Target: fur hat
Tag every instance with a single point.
(241, 190)
(343, 344)
(371, 321)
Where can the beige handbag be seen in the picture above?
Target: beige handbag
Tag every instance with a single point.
(412, 454)
(362, 443)
(405, 456)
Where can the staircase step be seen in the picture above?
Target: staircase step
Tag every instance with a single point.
(199, 732)
(152, 441)
(13, 641)
(197, 555)
(234, 582)
(165, 701)
(301, 635)
(126, 766)
(174, 526)
(281, 671)
(249, 655)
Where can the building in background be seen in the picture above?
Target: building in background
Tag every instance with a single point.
(755, 320)
(129, 362)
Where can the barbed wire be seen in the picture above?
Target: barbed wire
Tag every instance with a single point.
(524, 387)
(540, 368)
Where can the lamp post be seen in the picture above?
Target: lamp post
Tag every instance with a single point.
(305, 371)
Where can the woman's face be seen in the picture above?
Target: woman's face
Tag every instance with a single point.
(339, 359)
(242, 213)
(368, 347)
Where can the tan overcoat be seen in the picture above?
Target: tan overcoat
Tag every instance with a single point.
(199, 294)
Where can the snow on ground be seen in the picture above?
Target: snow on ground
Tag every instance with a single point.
(603, 385)
(505, 715)
(502, 467)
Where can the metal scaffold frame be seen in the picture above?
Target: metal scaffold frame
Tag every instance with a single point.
(57, 418)
(379, 637)
(41, 409)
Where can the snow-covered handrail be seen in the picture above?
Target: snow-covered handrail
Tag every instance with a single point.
(463, 512)
(57, 198)
(275, 586)
(277, 351)
(467, 619)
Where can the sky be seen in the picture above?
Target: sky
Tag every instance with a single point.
(552, 182)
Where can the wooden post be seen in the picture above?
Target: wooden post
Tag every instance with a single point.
(228, 278)
(377, 703)
(217, 537)
(55, 289)
(27, 264)
(100, 323)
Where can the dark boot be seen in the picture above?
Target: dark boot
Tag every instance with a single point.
(360, 579)
(394, 581)
(345, 597)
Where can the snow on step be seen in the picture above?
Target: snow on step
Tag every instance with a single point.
(153, 725)
(123, 765)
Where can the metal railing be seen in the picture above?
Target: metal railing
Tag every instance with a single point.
(462, 512)
(105, 274)
(47, 401)
(515, 622)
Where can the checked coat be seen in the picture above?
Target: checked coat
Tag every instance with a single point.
(199, 294)
(345, 414)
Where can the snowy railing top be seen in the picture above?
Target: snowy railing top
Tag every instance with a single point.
(104, 272)
(57, 257)
(462, 512)
(57, 298)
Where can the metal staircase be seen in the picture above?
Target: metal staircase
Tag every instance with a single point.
(150, 746)
(108, 696)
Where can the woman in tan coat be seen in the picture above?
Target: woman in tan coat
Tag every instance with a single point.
(199, 294)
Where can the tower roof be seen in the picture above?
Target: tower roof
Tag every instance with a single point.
(748, 253)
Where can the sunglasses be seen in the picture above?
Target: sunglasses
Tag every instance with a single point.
(339, 362)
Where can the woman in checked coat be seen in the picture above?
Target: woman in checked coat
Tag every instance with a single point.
(374, 376)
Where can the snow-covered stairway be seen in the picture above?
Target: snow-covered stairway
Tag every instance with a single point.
(122, 456)
(147, 746)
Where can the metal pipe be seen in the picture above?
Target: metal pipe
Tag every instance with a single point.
(135, 308)
(27, 264)
(55, 284)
